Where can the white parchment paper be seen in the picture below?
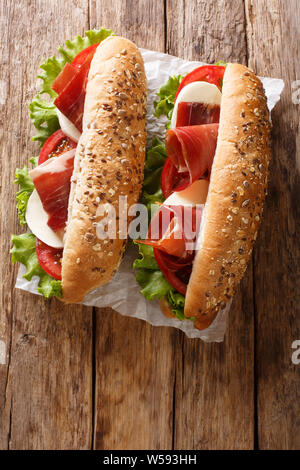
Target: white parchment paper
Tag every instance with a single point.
(122, 293)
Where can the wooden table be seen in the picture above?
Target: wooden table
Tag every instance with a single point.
(81, 378)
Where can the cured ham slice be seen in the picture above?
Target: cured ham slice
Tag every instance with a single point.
(165, 233)
(172, 234)
(192, 114)
(71, 99)
(192, 150)
(52, 181)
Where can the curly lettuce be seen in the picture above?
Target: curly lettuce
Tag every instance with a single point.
(23, 251)
(153, 283)
(165, 105)
(26, 187)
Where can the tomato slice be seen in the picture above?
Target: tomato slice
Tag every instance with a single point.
(82, 56)
(208, 73)
(55, 145)
(49, 258)
(170, 275)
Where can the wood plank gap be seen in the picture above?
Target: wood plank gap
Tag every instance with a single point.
(94, 371)
(165, 26)
(10, 423)
(246, 40)
(255, 406)
(174, 412)
(255, 411)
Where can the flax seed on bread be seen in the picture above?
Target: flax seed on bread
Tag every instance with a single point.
(109, 163)
(235, 198)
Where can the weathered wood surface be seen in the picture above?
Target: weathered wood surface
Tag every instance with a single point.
(46, 383)
(273, 50)
(79, 379)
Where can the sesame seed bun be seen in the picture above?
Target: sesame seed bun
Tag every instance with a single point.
(235, 198)
(109, 163)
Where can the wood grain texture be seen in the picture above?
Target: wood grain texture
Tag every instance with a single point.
(76, 380)
(273, 42)
(134, 361)
(46, 384)
(214, 406)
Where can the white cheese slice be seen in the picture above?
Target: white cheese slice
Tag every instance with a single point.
(196, 193)
(67, 126)
(197, 92)
(36, 218)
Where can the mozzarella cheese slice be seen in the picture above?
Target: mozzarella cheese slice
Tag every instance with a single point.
(36, 218)
(197, 92)
(67, 126)
(196, 193)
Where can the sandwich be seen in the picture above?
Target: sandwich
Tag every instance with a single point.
(208, 180)
(92, 131)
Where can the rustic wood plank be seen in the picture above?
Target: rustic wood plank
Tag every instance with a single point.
(273, 42)
(46, 383)
(134, 361)
(214, 406)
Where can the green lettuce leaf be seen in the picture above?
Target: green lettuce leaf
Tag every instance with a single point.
(34, 161)
(44, 118)
(155, 159)
(153, 283)
(23, 251)
(43, 112)
(167, 92)
(176, 302)
(26, 188)
(147, 260)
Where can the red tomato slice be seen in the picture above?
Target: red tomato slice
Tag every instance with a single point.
(55, 145)
(49, 258)
(171, 276)
(208, 73)
(81, 57)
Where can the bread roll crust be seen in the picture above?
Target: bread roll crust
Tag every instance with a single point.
(109, 163)
(235, 199)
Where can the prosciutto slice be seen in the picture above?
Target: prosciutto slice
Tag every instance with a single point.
(52, 180)
(173, 230)
(192, 149)
(192, 114)
(71, 99)
(172, 234)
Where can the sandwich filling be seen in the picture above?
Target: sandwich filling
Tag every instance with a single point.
(42, 200)
(177, 177)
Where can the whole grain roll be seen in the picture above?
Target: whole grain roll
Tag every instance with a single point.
(235, 199)
(109, 163)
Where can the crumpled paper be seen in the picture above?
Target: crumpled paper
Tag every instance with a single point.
(122, 293)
